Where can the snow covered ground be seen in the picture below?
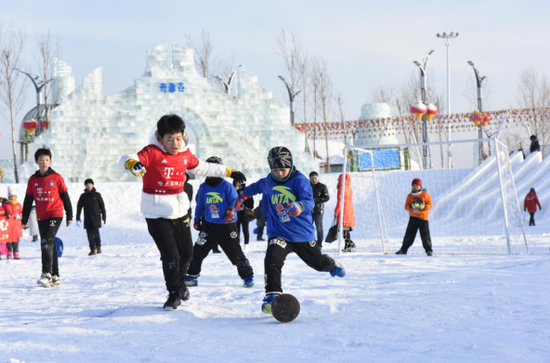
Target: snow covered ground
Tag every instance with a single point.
(447, 308)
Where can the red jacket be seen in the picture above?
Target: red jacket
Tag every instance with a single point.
(531, 201)
(349, 212)
(14, 211)
(46, 191)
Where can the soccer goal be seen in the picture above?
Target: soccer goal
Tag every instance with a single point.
(476, 207)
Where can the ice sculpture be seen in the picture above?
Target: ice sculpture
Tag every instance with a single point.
(374, 111)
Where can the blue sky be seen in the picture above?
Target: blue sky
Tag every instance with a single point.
(366, 44)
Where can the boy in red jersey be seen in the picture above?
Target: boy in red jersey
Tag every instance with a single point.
(47, 189)
(164, 203)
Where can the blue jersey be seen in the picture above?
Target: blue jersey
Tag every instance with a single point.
(213, 201)
(275, 198)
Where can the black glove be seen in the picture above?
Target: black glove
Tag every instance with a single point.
(237, 175)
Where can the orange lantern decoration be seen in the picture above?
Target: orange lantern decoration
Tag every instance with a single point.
(431, 111)
(30, 126)
(45, 124)
(419, 110)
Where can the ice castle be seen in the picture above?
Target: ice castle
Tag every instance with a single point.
(89, 131)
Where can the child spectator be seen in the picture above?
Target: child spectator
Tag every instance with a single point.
(320, 197)
(13, 212)
(349, 212)
(47, 189)
(419, 203)
(530, 204)
(3, 247)
(164, 203)
(213, 199)
(94, 212)
(290, 203)
(242, 218)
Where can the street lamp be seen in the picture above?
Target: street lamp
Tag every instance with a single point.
(291, 95)
(446, 36)
(423, 76)
(479, 82)
(38, 86)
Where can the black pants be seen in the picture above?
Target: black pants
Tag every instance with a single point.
(173, 239)
(278, 249)
(224, 235)
(13, 247)
(48, 229)
(318, 221)
(414, 225)
(93, 238)
(242, 224)
(532, 219)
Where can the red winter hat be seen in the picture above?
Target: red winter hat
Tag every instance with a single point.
(417, 182)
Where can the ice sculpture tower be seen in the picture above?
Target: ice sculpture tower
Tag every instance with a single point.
(371, 111)
(89, 131)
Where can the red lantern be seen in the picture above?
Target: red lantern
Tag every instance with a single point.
(30, 126)
(419, 109)
(431, 111)
(45, 124)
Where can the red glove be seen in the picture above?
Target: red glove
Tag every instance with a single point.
(197, 225)
(230, 215)
(294, 209)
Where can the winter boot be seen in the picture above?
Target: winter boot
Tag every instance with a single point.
(268, 301)
(98, 249)
(248, 282)
(9, 255)
(338, 270)
(16, 255)
(401, 252)
(55, 281)
(34, 238)
(191, 281)
(429, 253)
(92, 252)
(259, 238)
(173, 301)
(184, 293)
(45, 280)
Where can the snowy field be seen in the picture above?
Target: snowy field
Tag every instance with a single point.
(447, 308)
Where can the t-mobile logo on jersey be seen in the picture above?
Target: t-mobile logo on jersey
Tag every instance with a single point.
(39, 190)
(168, 172)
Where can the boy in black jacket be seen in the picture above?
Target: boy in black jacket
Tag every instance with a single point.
(94, 212)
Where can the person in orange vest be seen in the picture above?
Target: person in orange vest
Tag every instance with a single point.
(418, 204)
(530, 204)
(349, 212)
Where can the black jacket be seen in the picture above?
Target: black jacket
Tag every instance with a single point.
(94, 209)
(320, 197)
(534, 145)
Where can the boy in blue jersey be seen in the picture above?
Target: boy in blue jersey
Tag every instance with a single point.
(289, 206)
(213, 199)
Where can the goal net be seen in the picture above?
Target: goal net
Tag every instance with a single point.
(475, 204)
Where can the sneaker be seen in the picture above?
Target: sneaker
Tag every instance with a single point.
(173, 301)
(191, 281)
(248, 281)
(98, 249)
(401, 252)
(45, 280)
(92, 252)
(55, 281)
(266, 305)
(184, 293)
(429, 253)
(338, 270)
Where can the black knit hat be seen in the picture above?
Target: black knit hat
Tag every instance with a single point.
(312, 174)
(88, 181)
(215, 160)
(279, 157)
(532, 190)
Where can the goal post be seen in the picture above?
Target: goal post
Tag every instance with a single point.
(476, 207)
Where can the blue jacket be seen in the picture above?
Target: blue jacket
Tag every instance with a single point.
(276, 196)
(213, 201)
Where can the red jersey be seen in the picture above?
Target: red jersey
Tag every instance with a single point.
(46, 191)
(165, 172)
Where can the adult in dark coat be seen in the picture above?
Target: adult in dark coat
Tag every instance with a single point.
(320, 197)
(94, 212)
(534, 144)
(242, 218)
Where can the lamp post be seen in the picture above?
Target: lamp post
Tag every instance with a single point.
(446, 36)
(479, 82)
(38, 86)
(423, 76)
(291, 95)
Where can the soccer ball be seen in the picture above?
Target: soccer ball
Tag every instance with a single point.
(285, 308)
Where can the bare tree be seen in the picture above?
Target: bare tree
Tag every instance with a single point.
(314, 81)
(324, 97)
(340, 102)
(203, 49)
(383, 95)
(12, 90)
(470, 92)
(533, 93)
(48, 52)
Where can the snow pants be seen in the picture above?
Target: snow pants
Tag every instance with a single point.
(93, 238)
(226, 236)
(278, 249)
(414, 225)
(318, 221)
(48, 229)
(174, 241)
